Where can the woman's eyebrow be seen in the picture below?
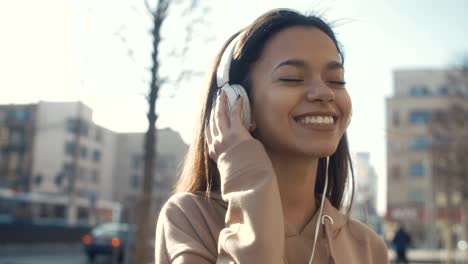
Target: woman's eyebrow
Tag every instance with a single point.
(334, 65)
(291, 62)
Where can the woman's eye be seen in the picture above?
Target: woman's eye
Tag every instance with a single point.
(339, 83)
(291, 80)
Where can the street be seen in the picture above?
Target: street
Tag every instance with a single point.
(73, 254)
(45, 254)
(43, 259)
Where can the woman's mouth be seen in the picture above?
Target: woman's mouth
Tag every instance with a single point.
(315, 120)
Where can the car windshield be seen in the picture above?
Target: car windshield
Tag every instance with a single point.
(109, 229)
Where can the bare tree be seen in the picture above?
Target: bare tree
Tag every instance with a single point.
(144, 221)
(449, 133)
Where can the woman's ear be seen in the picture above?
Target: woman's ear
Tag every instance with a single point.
(252, 127)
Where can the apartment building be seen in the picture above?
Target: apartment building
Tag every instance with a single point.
(17, 124)
(366, 191)
(415, 192)
(55, 148)
(129, 169)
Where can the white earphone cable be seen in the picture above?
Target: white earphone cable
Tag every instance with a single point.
(317, 227)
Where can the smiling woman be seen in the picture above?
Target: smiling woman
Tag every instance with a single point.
(270, 191)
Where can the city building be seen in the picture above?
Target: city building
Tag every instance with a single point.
(17, 125)
(55, 149)
(365, 195)
(417, 196)
(170, 153)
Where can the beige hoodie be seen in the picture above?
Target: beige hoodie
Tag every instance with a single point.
(244, 224)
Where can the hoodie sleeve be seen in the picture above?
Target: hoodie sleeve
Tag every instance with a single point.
(178, 239)
(380, 251)
(254, 225)
(253, 230)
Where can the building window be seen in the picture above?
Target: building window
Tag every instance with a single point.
(17, 137)
(68, 169)
(19, 115)
(419, 117)
(417, 169)
(419, 143)
(396, 118)
(419, 90)
(416, 197)
(443, 90)
(96, 155)
(440, 140)
(70, 148)
(73, 125)
(396, 172)
(83, 152)
(134, 181)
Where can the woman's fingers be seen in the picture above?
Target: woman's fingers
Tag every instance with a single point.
(222, 117)
(236, 115)
(217, 125)
(225, 128)
(212, 126)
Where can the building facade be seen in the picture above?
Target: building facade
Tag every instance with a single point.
(129, 170)
(17, 125)
(55, 149)
(415, 193)
(365, 195)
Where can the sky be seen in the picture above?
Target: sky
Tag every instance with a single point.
(98, 52)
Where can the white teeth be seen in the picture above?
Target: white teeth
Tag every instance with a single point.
(316, 120)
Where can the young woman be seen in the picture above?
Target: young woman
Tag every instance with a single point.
(270, 190)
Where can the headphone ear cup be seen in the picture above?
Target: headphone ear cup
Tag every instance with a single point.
(232, 92)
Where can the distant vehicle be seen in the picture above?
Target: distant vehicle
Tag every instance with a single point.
(107, 239)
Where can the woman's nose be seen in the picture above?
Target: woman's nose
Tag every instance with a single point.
(319, 91)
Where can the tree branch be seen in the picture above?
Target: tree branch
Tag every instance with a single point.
(148, 9)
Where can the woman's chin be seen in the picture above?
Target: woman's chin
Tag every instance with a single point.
(321, 151)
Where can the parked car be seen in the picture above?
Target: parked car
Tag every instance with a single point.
(107, 239)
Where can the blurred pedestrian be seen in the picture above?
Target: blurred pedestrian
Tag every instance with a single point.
(266, 175)
(401, 242)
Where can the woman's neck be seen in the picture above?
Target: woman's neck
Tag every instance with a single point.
(296, 182)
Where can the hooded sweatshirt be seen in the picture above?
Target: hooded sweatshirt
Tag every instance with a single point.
(244, 223)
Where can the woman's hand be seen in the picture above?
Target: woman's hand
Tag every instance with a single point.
(225, 129)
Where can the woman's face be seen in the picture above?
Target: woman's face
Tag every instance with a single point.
(299, 103)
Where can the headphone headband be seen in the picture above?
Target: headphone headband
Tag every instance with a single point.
(224, 66)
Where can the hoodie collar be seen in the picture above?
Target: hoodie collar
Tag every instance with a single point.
(330, 214)
(338, 218)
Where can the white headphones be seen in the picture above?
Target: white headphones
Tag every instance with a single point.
(232, 91)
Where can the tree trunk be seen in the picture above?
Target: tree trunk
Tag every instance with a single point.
(144, 205)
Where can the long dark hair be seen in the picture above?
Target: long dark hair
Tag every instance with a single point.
(200, 173)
